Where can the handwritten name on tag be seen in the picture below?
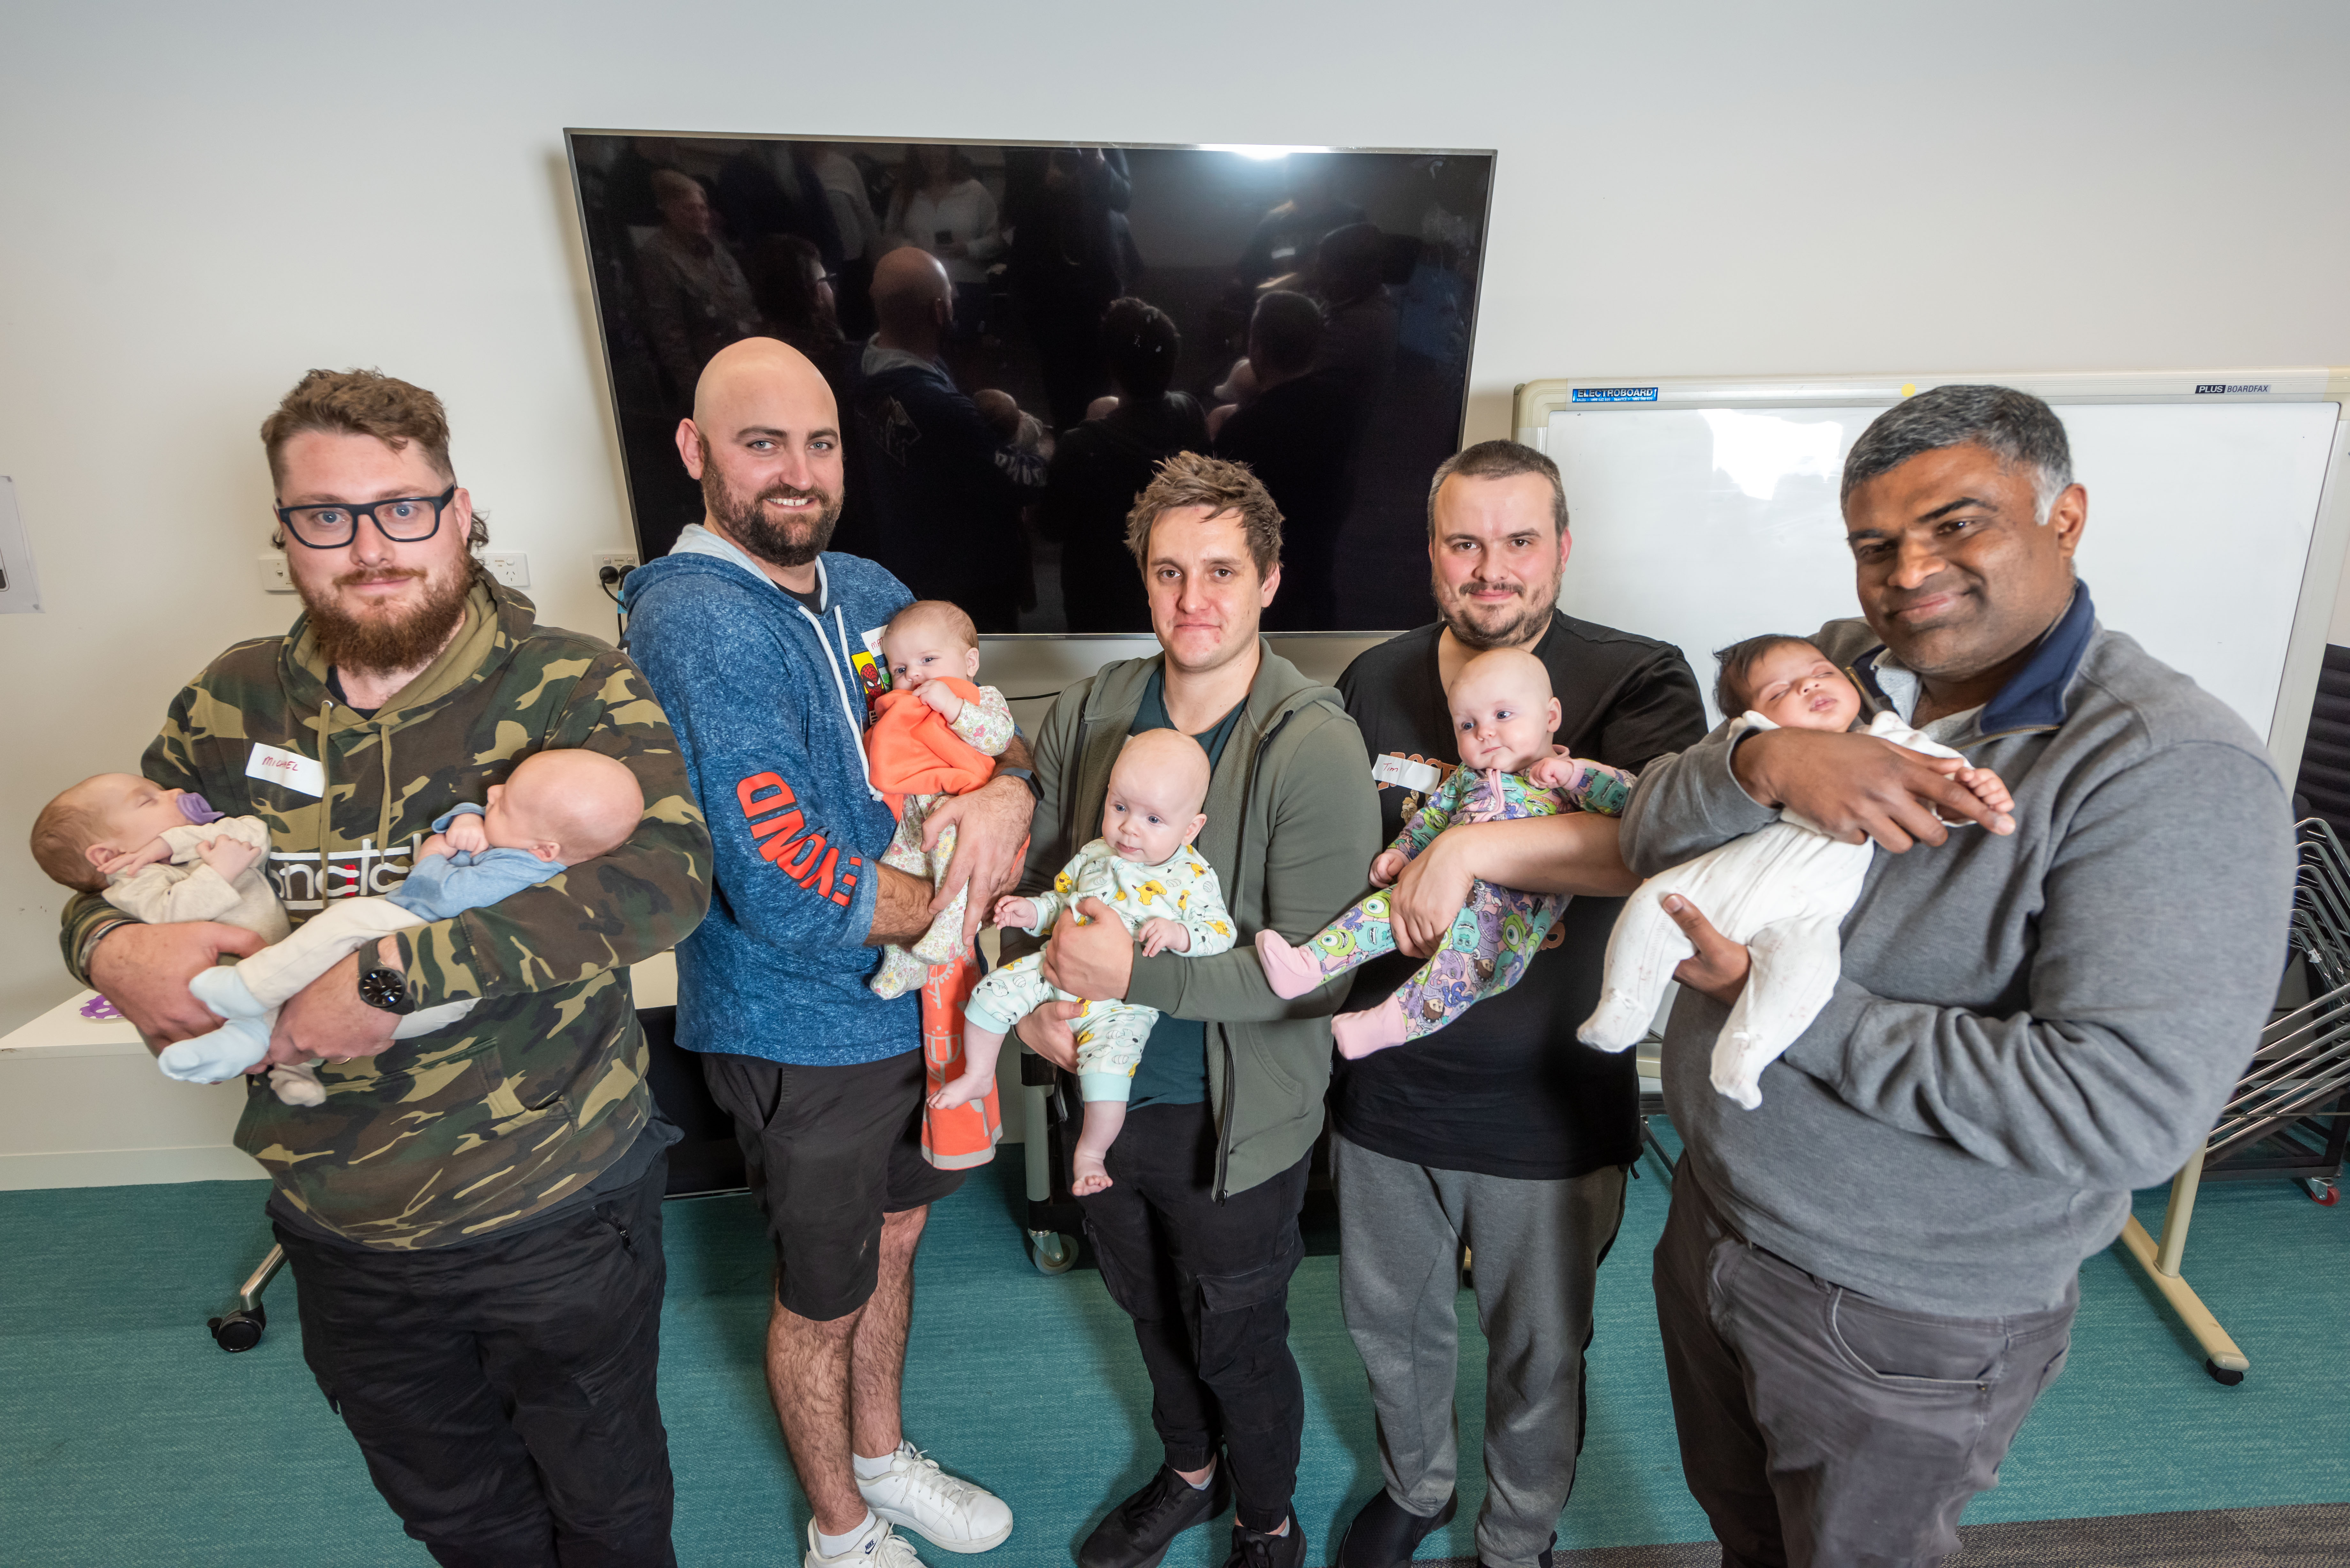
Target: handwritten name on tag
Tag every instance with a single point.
(1420, 777)
(300, 773)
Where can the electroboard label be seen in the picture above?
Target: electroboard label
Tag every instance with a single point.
(2207, 387)
(1616, 394)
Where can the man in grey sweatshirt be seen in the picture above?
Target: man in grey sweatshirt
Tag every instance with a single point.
(1865, 1282)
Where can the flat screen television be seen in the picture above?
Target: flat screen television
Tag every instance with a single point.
(1307, 310)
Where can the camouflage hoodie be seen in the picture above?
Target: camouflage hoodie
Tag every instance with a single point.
(535, 1092)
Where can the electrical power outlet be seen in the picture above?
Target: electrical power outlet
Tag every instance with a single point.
(511, 568)
(621, 561)
(274, 579)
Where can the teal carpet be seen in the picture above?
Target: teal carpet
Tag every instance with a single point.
(128, 1439)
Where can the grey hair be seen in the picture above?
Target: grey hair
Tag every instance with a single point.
(2015, 427)
(1498, 459)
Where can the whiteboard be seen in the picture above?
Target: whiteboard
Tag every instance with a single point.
(2208, 537)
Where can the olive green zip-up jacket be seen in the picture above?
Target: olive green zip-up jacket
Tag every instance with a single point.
(1293, 824)
(534, 1092)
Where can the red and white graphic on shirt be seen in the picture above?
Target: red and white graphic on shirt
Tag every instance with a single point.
(772, 814)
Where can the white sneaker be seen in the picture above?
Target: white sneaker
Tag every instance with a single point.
(943, 1509)
(879, 1547)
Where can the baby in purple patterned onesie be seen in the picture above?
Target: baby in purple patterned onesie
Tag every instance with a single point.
(1503, 715)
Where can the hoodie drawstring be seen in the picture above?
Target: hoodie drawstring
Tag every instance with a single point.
(849, 709)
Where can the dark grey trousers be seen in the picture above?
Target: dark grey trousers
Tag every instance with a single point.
(1536, 1247)
(1820, 1428)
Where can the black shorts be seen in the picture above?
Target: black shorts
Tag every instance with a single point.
(829, 1150)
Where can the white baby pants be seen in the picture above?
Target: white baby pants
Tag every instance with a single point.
(1783, 891)
(249, 993)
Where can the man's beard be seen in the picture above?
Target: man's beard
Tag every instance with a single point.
(792, 542)
(393, 640)
(1521, 621)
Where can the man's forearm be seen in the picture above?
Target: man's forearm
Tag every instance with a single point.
(1577, 854)
(901, 907)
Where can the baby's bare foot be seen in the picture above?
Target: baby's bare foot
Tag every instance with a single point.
(962, 1091)
(1087, 1175)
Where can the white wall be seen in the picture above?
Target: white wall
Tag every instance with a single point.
(199, 203)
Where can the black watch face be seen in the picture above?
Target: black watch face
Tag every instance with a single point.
(383, 988)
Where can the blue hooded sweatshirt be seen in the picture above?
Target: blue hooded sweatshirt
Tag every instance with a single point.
(769, 700)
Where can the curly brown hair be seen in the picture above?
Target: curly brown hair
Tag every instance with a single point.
(365, 402)
(1193, 479)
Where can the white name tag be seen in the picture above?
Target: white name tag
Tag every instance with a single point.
(301, 774)
(1418, 776)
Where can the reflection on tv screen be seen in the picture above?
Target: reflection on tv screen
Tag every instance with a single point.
(1070, 316)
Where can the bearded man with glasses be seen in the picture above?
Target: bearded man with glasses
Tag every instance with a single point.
(473, 1216)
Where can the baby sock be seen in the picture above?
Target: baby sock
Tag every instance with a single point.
(219, 989)
(219, 1056)
(1357, 1034)
(297, 1085)
(1291, 971)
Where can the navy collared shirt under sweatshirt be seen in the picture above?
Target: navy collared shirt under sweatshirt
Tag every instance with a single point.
(769, 706)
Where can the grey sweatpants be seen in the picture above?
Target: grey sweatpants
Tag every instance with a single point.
(1821, 1429)
(1536, 1247)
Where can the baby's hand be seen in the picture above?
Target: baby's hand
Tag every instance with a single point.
(1558, 771)
(228, 858)
(1016, 914)
(437, 845)
(147, 854)
(1159, 934)
(945, 703)
(1987, 788)
(469, 833)
(1385, 867)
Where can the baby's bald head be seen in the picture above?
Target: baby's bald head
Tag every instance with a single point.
(1503, 714)
(580, 804)
(1156, 790)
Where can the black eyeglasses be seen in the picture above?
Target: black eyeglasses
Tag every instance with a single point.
(403, 520)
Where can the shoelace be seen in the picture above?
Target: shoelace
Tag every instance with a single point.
(1172, 1494)
(894, 1550)
(922, 1474)
(1256, 1550)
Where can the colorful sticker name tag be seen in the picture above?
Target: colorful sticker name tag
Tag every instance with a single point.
(1416, 776)
(300, 773)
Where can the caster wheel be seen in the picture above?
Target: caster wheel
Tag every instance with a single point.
(239, 1330)
(2221, 1375)
(2323, 1191)
(1052, 1252)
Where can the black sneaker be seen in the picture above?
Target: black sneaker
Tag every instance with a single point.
(1542, 1557)
(1255, 1549)
(1384, 1535)
(1137, 1531)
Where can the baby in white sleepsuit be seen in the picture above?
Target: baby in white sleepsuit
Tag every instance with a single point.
(1783, 891)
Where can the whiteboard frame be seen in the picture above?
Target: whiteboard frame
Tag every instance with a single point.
(1535, 401)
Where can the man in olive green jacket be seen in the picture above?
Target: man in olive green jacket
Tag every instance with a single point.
(1196, 1236)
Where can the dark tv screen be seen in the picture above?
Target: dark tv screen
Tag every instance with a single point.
(1079, 314)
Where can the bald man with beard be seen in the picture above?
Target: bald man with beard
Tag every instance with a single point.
(947, 485)
(758, 641)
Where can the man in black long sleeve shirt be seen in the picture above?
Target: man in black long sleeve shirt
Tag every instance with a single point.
(1500, 1129)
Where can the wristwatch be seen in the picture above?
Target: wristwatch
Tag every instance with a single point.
(1024, 776)
(386, 989)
